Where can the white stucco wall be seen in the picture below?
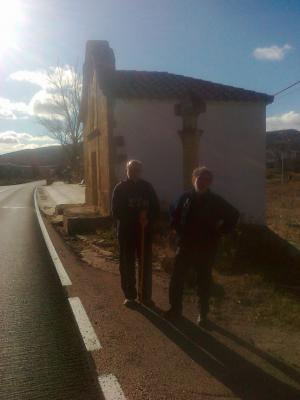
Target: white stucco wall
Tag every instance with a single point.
(232, 145)
(150, 132)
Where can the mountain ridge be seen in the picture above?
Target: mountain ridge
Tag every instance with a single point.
(43, 156)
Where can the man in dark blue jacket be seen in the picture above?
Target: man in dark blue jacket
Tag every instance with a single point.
(200, 217)
(135, 206)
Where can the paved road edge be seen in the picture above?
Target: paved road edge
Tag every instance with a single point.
(107, 384)
(62, 274)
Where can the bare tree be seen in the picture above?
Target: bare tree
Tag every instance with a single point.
(60, 112)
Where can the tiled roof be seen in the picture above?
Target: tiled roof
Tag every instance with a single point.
(163, 85)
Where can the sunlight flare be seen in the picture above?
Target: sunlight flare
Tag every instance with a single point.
(11, 16)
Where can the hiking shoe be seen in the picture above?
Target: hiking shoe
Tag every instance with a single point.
(173, 314)
(130, 303)
(202, 321)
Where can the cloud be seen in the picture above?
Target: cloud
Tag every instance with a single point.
(13, 110)
(37, 77)
(289, 120)
(43, 104)
(40, 77)
(8, 140)
(40, 105)
(272, 53)
(13, 141)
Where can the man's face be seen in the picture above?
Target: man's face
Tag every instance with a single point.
(134, 171)
(203, 181)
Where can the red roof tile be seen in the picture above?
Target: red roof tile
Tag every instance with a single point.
(163, 85)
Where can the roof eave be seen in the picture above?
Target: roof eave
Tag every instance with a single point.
(266, 99)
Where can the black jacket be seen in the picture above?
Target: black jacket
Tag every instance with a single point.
(202, 218)
(129, 199)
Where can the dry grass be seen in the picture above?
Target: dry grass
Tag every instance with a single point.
(283, 211)
(260, 268)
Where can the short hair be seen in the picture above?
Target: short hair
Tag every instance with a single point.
(133, 162)
(200, 171)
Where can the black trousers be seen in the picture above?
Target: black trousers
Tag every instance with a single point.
(130, 251)
(200, 258)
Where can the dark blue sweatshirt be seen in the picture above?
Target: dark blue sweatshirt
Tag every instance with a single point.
(202, 218)
(129, 199)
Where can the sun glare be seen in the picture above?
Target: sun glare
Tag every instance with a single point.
(10, 18)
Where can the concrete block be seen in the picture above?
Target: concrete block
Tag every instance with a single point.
(60, 208)
(83, 219)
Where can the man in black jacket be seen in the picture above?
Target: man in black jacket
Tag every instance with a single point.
(200, 217)
(135, 206)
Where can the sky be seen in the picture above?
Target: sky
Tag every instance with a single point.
(253, 44)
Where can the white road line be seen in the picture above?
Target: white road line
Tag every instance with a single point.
(87, 331)
(5, 190)
(11, 187)
(14, 207)
(63, 276)
(111, 388)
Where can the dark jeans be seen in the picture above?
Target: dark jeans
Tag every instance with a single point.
(130, 250)
(200, 258)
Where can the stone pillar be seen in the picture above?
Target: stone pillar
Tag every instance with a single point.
(189, 110)
(98, 124)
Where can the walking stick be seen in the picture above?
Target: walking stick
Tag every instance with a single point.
(143, 219)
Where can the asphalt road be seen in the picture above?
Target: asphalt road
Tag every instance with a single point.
(41, 354)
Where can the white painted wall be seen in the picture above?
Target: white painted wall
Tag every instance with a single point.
(150, 131)
(232, 145)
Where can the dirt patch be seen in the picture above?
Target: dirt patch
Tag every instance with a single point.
(283, 212)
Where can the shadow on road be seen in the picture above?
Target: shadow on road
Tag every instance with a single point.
(242, 377)
(281, 366)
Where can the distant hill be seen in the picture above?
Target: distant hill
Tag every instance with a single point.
(283, 148)
(43, 156)
(288, 138)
